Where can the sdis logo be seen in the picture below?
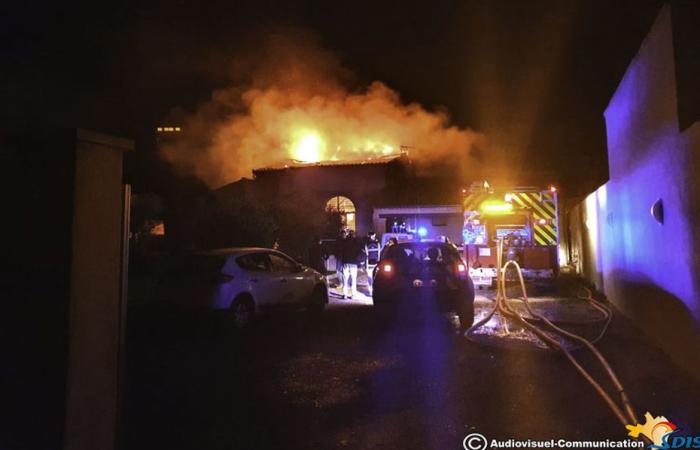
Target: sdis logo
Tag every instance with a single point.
(662, 433)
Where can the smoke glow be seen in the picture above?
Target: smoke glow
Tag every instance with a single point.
(297, 105)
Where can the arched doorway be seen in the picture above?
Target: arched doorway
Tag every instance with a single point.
(345, 209)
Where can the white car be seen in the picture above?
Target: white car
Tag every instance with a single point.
(246, 282)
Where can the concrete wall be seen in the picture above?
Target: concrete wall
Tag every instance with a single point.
(690, 140)
(61, 289)
(97, 299)
(582, 240)
(644, 267)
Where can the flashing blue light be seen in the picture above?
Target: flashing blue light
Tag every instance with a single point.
(422, 231)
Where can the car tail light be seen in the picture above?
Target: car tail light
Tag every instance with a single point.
(461, 271)
(387, 268)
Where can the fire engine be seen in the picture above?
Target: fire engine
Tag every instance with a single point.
(526, 218)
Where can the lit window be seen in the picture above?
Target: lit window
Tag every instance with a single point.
(345, 208)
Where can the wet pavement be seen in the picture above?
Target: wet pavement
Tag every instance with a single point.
(350, 381)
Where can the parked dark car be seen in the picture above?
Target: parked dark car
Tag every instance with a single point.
(426, 271)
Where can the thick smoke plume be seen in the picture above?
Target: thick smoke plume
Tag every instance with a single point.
(296, 103)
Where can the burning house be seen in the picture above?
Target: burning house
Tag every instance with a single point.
(384, 194)
(292, 202)
(343, 147)
(352, 189)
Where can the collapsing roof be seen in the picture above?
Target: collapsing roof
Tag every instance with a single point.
(293, 164)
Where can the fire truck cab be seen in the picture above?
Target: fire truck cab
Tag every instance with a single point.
(524, 217)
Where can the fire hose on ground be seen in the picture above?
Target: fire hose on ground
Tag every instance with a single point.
(544, 329)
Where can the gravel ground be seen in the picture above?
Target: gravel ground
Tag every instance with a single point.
(350, 381)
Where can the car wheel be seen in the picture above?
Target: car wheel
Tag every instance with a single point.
(466, 318)
(318, 301)
(465, 308)
(382, 308)
(242, 312)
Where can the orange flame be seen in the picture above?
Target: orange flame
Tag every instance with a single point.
(296, 108)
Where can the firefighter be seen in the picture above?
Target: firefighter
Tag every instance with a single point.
(372, 251)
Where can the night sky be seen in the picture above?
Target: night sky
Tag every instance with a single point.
(533, 75)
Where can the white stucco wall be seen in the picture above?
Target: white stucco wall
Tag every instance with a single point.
(644, 267)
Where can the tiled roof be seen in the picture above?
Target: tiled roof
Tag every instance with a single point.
(299, 165)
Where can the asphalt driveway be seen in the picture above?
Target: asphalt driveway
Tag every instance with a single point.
(350, 381)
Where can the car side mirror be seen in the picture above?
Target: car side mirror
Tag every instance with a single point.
(300, 268)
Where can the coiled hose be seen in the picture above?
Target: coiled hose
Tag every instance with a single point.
(622, 410)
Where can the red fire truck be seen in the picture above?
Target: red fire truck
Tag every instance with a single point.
(526, 218)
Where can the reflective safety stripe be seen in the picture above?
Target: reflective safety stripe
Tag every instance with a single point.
(539, 239)
(535, 205)
(549, 207)
(544, 236)
(519, 201)
(542, 207)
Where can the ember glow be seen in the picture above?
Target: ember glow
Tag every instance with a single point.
(308, 148)
(298, 107)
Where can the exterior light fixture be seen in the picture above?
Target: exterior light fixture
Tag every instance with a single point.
(168, 129)
(657, 211)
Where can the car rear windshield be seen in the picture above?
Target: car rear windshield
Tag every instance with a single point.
(421, 251)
